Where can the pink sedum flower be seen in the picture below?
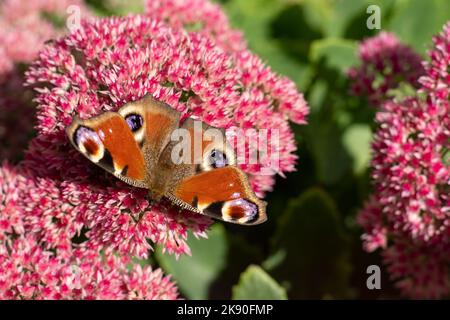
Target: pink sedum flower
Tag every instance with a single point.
(11, 219)
(24, 28)
(110, 62)
(5, 62)
(385, 63)
(437, 79)
(411, 175)
(421, 270)
(73, 197)
(199, 15)
(208, 18)
(409, 214)
(30, 268)
(26, 25)
(371, 219)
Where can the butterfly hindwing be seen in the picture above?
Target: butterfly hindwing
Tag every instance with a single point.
(223, 193)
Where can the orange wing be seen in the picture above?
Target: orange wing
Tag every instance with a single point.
(152, 123)
(127, 143)
(222, 193)
(108, 141)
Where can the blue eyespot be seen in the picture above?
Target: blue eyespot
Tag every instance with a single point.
(218, 159)
(134, 121)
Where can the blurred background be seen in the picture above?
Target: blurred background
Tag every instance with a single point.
(311, 246)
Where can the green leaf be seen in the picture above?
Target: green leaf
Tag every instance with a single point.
(343, 13)
(316, 249)
(256, 284)
(416, 21)
(255, 18)
(241, 253)
(331, 17)
(317, 95)
(338, 53)
(356, 140)
(446, 156)
(280, 62)
(194, 275)
(115, 7)
(331, 158)
(336, 18)
(124, 8)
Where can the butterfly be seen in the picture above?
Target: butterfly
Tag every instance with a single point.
(137, 145)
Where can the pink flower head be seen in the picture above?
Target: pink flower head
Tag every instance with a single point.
(208, 18)
(10, 218)
(24, 27)
(31, 269)
(437, 79)
(110, 62)
(411, 176)
(199, 15)
(385, 63)
(371, 219)
(29, 272)
(411, 173)
(421, 270)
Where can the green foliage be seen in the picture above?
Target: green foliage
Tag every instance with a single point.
(116, 7)
(331, 158)
(258, 20)
(316, 250)
(357, 140)
(338, 53)
(256, 284)
(195, 274)
(416, 21)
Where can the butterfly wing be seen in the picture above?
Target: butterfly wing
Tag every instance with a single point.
(222, 193)
(126, 143)
(151, 123)
(107, 141)
(210, 183)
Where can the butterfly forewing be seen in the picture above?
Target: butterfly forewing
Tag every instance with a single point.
(108, 141)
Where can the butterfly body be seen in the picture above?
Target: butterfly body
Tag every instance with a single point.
(139, 145)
